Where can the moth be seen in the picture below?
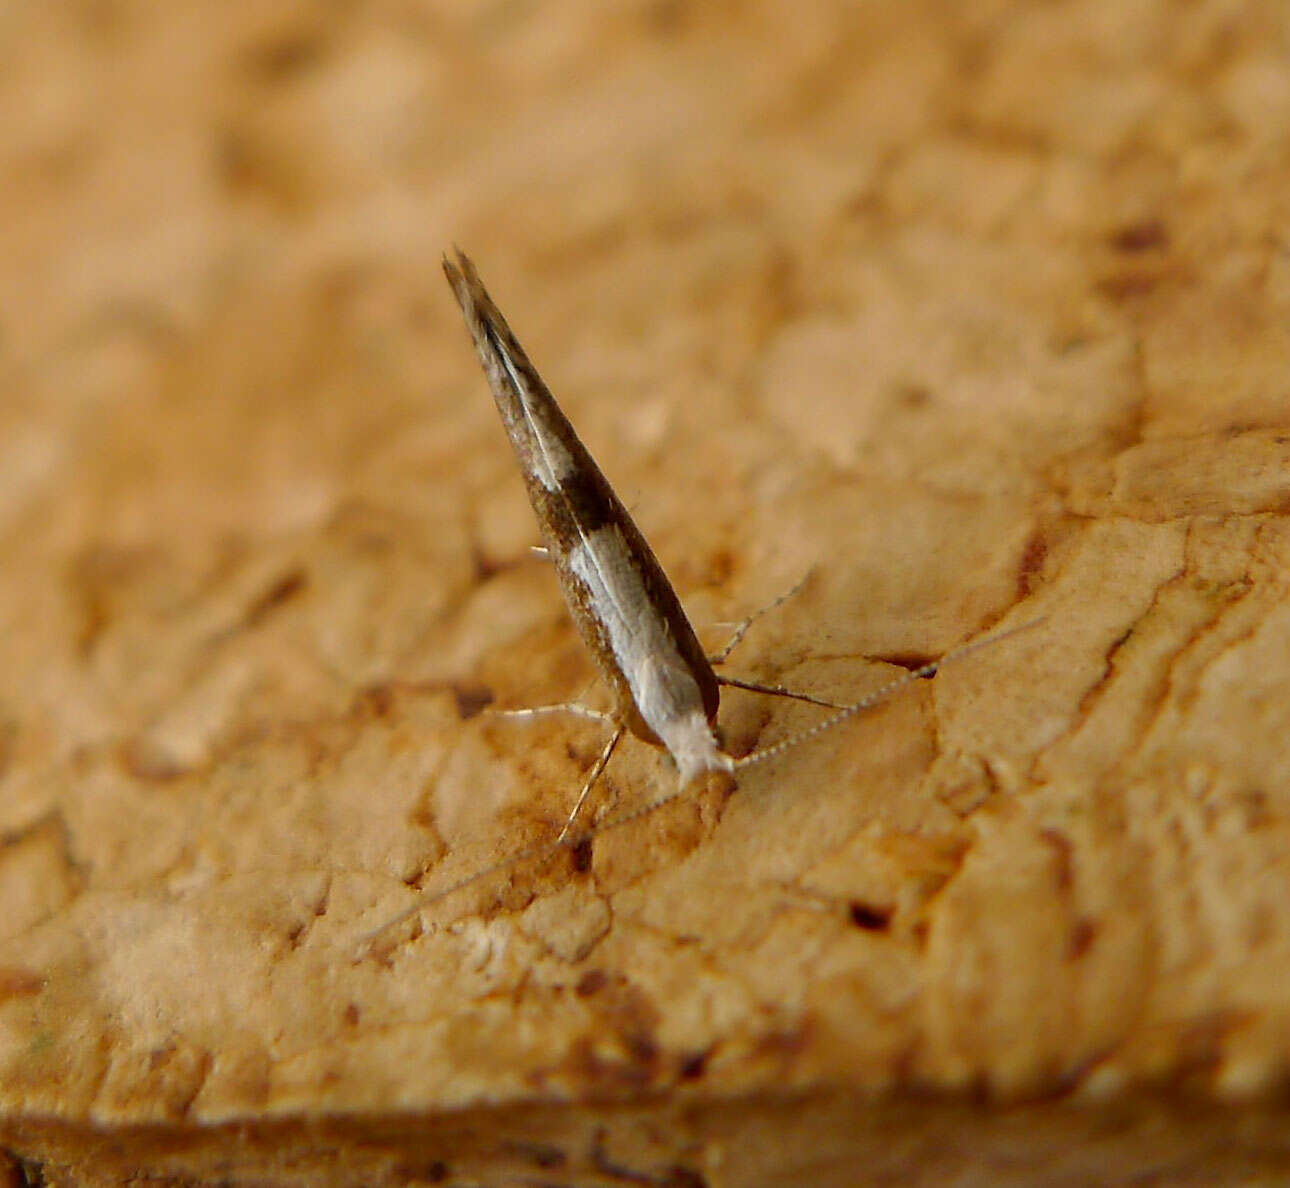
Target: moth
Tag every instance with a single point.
(665, 687)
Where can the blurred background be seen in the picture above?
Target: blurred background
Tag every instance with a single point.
(948, 302)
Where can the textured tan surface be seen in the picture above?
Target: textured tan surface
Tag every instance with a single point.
(979, 309)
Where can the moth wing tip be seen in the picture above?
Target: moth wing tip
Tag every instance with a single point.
(464, 280)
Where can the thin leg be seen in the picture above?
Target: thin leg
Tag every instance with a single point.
(560, 707)
(741, 629)
(592, 776)
(778, 691)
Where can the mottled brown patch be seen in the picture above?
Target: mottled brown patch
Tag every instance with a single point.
(617, 1170)
(666, 18)
(720, 568)
(19, 982)
(543, 1155)
(621, 1053)
(1031, 566)
(375, 700)
(1063, 855)
(869, 916)
(693, 1066)
(616, 1068)
(784, 1043)
(580, 855)
(1083, 933)
(913, 396)
(144, 759)
(471, 699)
(1128, 285)
(435, 1171)
(283, 57)
(1142, 236)
(282, 591)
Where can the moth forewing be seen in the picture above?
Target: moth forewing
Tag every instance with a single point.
(621, 601)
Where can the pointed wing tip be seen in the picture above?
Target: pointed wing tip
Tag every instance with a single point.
(460, 263)
(464, 279)
(459, 280)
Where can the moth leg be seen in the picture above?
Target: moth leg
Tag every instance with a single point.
(560, 707)
(778, 691)
(741, 628)
(592, 776)
(539, 552)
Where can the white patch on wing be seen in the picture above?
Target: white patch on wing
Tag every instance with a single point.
(663, 687)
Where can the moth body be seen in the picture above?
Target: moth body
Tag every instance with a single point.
(624, 607)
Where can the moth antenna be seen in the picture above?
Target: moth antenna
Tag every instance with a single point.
(540, 850)
(547, 849)
(543, 849)
(741, 628)
(884, 693)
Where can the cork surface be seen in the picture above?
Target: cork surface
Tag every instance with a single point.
(975, 312)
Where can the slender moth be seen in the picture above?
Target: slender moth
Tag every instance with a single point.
(664, 685)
